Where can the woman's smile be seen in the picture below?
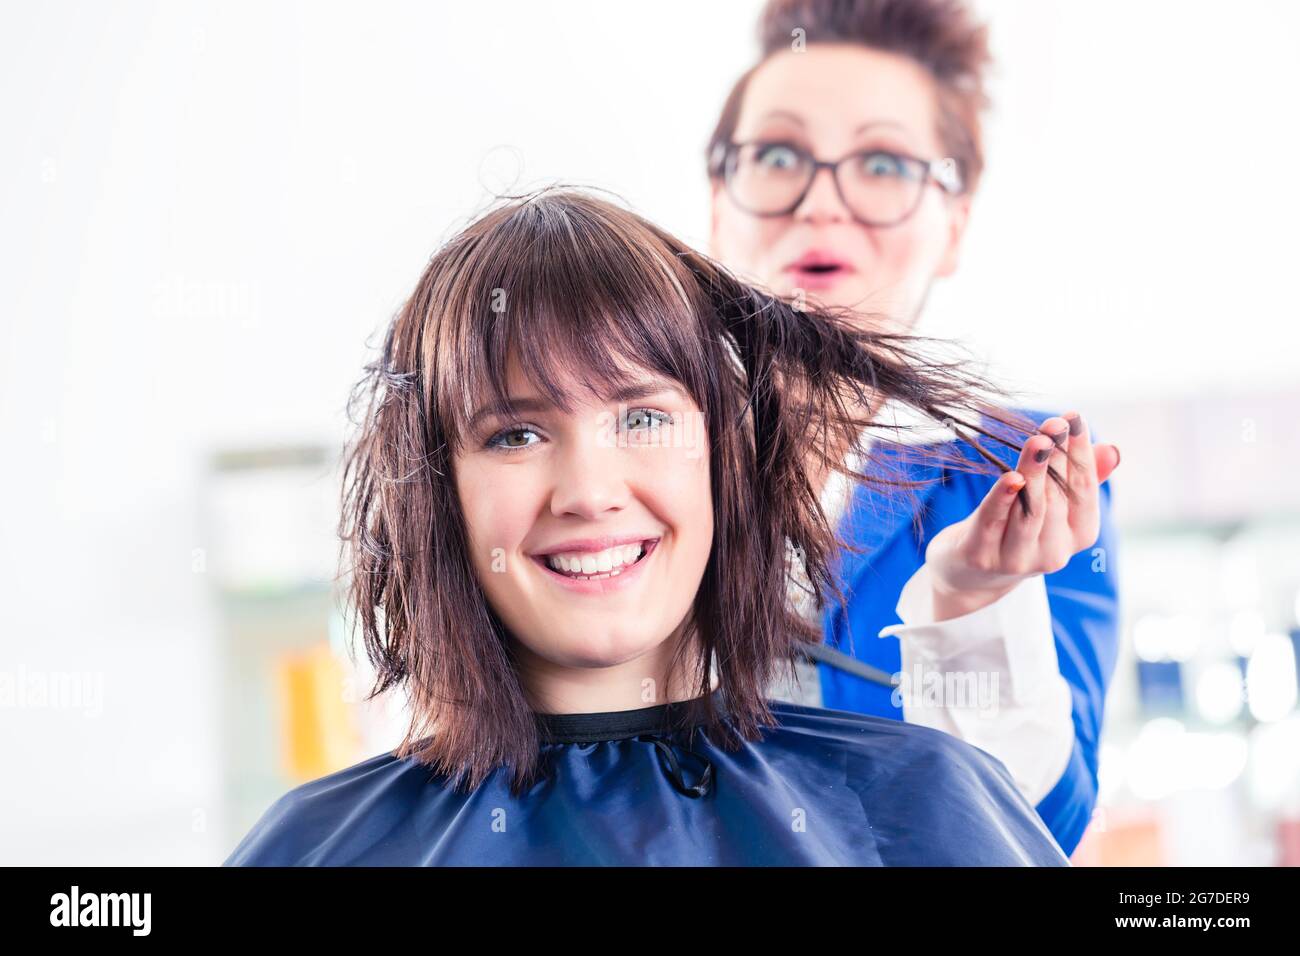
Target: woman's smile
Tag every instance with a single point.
(597, 572)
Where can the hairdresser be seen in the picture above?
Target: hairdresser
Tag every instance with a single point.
(843, 169)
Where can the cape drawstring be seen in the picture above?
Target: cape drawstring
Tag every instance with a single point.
(674, 771)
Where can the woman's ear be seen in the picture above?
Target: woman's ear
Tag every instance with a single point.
(958, 214)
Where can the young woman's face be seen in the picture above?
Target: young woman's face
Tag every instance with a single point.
(590, 531)
(832, 100)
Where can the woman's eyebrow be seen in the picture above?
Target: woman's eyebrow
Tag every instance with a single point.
(534, 403)
(782, 114)
(873, 123)
(797, 120)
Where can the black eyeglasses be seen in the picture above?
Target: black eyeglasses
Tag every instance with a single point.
(879, 187)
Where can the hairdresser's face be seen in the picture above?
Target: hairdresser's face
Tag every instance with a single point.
(590, 531)
(832, 100)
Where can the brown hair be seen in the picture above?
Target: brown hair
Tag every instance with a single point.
(583, 284)
(941, 35)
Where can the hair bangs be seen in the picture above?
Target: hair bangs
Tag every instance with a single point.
(572, 295)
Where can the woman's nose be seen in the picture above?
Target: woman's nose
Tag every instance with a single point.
(588, 480)
(822, 202)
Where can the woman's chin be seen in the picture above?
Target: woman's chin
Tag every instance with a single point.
(599, 649)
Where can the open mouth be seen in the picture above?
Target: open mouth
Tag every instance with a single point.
(818, 270)
(604, 565)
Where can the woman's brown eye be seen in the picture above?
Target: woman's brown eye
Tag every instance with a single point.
(507, 438)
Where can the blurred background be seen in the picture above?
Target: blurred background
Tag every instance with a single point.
(208, 211)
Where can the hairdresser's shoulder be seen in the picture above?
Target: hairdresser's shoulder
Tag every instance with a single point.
(296, 829)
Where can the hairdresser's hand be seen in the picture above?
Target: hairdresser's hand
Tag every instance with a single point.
(981, 558)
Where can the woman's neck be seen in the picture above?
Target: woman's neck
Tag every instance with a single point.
(568, 688)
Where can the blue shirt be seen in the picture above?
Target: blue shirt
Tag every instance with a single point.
(1082, 597)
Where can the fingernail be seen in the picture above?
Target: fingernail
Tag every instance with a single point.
(1076, 424)
(1042, 455)
(1060, 439)
(1116, 447)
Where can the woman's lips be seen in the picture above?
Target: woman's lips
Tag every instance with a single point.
(818, 269)
(629, 574)
(818, 276)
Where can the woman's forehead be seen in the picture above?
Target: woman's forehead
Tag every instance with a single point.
(575, 388)
(569, 377)
(836, 92)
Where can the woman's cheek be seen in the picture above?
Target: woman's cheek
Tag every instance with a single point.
(687, 498)
(749, 247)
(491, 502)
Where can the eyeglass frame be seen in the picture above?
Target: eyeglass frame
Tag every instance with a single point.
(944, 173)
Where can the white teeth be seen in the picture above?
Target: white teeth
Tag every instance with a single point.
(610, 561)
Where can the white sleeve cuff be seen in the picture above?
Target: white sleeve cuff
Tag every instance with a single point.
(1012, 636)
(990, 677)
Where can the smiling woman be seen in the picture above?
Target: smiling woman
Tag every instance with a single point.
(572, 529)
(586, 610)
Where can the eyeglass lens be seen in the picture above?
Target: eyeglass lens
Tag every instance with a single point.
(877, 186)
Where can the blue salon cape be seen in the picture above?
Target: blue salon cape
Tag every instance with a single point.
(821, 788)
(1082, 597)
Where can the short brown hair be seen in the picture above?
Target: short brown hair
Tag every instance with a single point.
(590, 288)
(941, 35)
